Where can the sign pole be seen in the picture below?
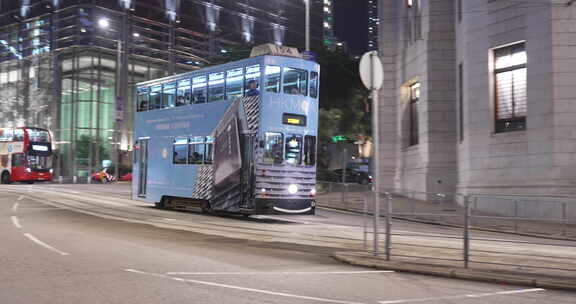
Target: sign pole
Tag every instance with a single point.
(372, 76)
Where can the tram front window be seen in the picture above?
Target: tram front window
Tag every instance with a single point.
(273, 145)
(293, 153)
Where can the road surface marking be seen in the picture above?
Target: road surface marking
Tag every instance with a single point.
(21, 197)
(16, 222)
(39, 242)
(280, 273)
(482, 295)
(15, 208)
(168, 219)
(281, 294)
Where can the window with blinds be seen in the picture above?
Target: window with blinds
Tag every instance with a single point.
(510, 88)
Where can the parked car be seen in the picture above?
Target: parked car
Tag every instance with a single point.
(352, 176)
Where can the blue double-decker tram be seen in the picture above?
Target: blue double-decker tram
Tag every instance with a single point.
(238, 137)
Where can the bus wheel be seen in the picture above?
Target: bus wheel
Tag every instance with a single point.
(5, 178)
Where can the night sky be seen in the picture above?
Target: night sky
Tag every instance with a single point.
(351, 17)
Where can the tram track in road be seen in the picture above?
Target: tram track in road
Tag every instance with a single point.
(235, 227)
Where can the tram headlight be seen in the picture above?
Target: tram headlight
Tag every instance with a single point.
(51, 171)
(313, 191)
(263, 190)
(28, 170)
(293, 189)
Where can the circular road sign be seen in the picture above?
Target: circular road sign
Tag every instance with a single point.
(371, 71)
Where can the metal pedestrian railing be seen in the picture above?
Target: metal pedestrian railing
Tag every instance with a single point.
(540, 229)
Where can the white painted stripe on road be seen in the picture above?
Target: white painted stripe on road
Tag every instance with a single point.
(169, 219)
(21, 197)
(39, 242)
(482, 295)
(261, 291)
(16, 222)
(15, 208)
(281, 273)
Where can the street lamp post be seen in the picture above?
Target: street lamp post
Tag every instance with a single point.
(307, 2)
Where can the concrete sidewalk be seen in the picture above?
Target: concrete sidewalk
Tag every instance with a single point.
(447, 213)
(541, 278)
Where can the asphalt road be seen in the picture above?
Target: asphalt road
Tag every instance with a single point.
(90, 244)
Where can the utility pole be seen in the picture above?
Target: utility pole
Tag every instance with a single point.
(307, 2)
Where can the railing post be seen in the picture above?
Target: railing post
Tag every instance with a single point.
(365, 221)
(515, 216)
(388, 225)
(376, 221)
(466, 231)
(74, 179)
(564, 218)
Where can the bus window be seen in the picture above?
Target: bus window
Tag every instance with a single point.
(196, 150)
(19, 135)
(252, 84)
(273, 148)
(155, 97)
(180, 150)
(18, 160)
(6, 134)
(309, 150)
(273, 78)
(293, 153)
(234, 83)
(314, 84)
(199, 89)
(36, 162)
(295, 81)
(209, 157)
(143, 102)
(169, 99)
(216, 87)
(35, 135)
(183, 95)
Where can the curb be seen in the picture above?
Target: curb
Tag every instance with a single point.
(365, 260)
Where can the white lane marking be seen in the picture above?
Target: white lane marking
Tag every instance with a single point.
(72, 191)
(168, 219)
(482, 295)
(15, 208)
(39, 242)
(16, 222)
(280, 273)
(261, 291)
(21, 197)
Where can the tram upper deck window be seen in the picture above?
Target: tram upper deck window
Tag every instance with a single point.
(169, 99)
(156, 97)
(234, 83)
(216, 87)
(196, 150)
(273, 148)
(273, 78)
(252, 84)
(183, 96)
(199, 85)
(314, 84)
(143, 100)
(309, 150)
(180, 150)
(295, 81)
(293, 154)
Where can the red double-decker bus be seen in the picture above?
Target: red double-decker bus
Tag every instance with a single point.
(25, 155)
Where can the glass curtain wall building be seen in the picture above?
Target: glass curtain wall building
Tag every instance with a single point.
(71, 66)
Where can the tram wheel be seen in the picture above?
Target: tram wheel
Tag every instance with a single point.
(5, 178)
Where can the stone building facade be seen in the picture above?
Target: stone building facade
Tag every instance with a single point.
(478, 96)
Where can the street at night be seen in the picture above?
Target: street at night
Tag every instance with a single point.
(54, 251)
